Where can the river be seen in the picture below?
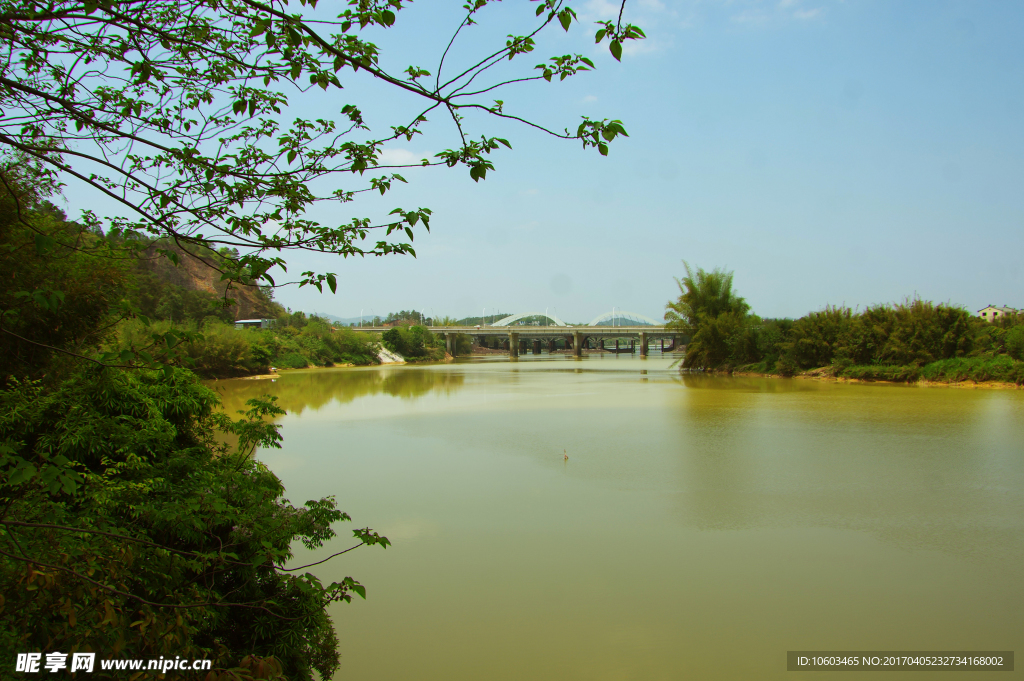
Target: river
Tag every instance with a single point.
(700, 529)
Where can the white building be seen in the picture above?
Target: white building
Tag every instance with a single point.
(992, 313)
(254, 323)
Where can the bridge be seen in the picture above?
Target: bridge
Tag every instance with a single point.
(512, 334)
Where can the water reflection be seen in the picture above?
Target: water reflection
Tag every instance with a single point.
(743, 383)
(301, 390)
(912, 466)
(700, 528)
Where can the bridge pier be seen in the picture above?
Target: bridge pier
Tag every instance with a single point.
(643, 344)
(536, 346)
(577, 344)
(513, 345)
(551, 345)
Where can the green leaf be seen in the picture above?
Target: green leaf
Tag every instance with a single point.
(44, 244)
(616, 49)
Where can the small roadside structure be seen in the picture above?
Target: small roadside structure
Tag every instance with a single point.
(992, 313)
(254, 323)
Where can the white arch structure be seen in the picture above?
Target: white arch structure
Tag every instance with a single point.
(620, 314)
(516, 317)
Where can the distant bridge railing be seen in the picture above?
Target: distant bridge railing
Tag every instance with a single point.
(575, 337)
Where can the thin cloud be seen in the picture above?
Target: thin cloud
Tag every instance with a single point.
(753, 13)
(401, 157)
(751, 16)
(804, 14)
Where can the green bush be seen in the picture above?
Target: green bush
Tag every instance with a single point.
(999, 368)
(814, 339)
(293, 360)
(413, 342)
(132, 505)
(1013, 341)
(223, 351)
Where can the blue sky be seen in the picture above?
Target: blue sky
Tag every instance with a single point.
(827, 152)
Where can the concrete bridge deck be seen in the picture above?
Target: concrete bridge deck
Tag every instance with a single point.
(517, 336)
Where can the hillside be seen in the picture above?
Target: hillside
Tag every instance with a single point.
(194, 273)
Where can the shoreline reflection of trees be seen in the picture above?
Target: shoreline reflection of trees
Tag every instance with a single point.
(755, 384)
(908, 466)
(299, 391)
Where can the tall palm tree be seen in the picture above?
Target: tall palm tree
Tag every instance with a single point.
(703, 296)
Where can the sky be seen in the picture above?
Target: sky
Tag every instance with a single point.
(826, 152)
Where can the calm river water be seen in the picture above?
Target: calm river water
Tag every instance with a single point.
(701, 527)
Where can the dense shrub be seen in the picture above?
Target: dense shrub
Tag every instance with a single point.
(413, 342)
(902, 342)
(912, 333)
(131, 505)
(1014, 342)
(814, 339)
(220, 350)
(293, 360)
(1001, 368)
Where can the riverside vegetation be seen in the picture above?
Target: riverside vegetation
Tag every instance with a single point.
(127, 527)
(904, 342)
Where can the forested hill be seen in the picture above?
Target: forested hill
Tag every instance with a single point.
(193, 289)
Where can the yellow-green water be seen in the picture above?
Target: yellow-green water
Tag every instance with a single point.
(701, 527)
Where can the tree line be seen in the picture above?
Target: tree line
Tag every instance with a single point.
(905, 341)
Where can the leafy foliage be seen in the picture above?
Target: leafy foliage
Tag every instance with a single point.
(180, 113)
(713, 316)
(907, 341)
(414, 342)
(128, 529)
(126, 526)
(53, 295)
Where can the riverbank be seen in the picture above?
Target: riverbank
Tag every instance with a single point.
(1000, 372)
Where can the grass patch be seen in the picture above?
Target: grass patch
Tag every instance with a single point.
(979, 369)
(881, 372)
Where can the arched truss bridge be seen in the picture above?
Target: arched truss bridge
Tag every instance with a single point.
(516, 317)
(622, 317)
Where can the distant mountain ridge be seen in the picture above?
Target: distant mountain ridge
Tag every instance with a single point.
(345, 321)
